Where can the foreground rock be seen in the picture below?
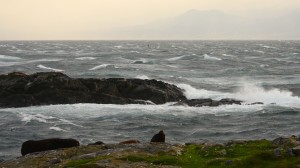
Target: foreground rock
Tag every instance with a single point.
(45, 88)
(32, 146)
(242, 153)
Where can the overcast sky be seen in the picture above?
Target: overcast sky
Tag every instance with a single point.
(85, 19)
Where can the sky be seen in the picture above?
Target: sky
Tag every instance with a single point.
(87, 19)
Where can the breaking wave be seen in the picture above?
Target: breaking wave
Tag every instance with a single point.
(48, 68)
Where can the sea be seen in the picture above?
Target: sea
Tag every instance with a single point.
(251, 71)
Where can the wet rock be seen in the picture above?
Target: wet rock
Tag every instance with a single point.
(45, 88)
(130, 142)
(160, 137)
(96, 143)
(32, 146)
(208, 102)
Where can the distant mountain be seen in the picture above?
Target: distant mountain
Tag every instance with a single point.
(215, 24)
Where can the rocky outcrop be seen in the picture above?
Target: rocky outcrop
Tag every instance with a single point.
(45, 88)
(32, 146)
(208, 102)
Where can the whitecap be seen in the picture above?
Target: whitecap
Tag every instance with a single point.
(100, 67)
(268, 47)
(48, 68)
(56, 129)
(228, 55)
(141, 61)
(176, 58)
(7, 64)
(207, 57)
(119, 46)
(86, 58)
(26, 117)
(6, 57)
(142, 77)
(44, 60)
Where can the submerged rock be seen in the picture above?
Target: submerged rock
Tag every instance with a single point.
(32, 146)
(45, 88)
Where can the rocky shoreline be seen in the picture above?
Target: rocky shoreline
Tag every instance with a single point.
(281, 152)
(49, 88)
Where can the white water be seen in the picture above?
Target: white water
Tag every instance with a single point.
(207, 57)
(99, 67)
(6, 57)
(248, 92)
(48, 68)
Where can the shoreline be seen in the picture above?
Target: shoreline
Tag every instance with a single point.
(282, 152)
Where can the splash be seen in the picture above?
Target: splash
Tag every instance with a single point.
(193, 93)
(250, 92)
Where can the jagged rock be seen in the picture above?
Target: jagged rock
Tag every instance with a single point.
(32, 146)
(160, 137)
(208, 102)
(45, 88)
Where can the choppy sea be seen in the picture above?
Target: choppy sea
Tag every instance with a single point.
(252, 71)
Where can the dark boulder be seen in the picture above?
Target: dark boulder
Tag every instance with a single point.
(160, 137)
(208, 102)
(32, 146)
(45, 88)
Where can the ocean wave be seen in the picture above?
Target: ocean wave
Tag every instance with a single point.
(6, 57)
(251, 92)
(176, 58)
(142, 61)
(26, 117)
(100, 67)
(207, 57)
(193, 93)
(86, 58)
(57, 129)
(44, 60)
(48, 68)
(248, 92)
(228, 55)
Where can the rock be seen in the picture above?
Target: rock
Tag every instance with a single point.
(277, 152)
(45, 88)
(286, 142)
(296, 151)
(130, 142)
(32, 146)
(96, 143)
(160, 137)
(208, 102)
